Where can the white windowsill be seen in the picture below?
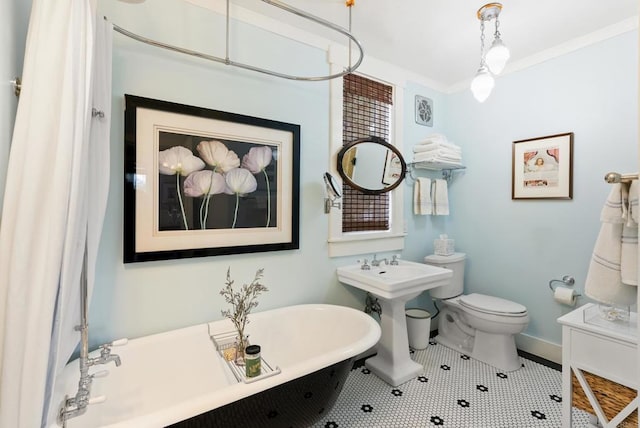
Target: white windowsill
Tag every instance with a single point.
(363, 244)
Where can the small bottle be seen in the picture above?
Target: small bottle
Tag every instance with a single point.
(253, 365)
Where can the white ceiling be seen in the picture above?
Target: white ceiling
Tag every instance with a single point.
(440, 39)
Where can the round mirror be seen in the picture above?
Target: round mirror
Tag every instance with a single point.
(371, 165)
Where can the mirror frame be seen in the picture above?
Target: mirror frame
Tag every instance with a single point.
(331, 185)
(376, 140)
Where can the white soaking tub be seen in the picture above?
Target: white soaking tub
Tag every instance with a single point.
(178, 377)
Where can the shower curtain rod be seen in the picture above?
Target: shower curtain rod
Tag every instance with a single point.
(615, 177)
(228, 61)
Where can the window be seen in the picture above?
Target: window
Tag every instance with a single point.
(365, 104)
(367, 107)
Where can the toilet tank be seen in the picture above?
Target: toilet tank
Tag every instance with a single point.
(455, 262)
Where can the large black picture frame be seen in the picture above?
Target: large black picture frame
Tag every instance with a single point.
(200, 182)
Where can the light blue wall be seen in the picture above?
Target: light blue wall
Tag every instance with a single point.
(514, 247)
(138, 299)
(14, 17)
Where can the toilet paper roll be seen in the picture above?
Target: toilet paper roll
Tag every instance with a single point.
(566, 296)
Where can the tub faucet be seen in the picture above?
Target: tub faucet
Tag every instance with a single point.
(375, 262)
(105, 353)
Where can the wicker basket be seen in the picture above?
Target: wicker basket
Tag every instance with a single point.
(612, 397)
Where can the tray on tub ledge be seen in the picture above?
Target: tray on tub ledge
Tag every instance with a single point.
(226, 340)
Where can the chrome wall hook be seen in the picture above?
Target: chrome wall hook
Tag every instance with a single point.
(17, 86)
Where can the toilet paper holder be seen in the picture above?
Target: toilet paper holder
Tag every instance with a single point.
(567, 280)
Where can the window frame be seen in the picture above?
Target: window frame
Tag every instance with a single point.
(351, 243)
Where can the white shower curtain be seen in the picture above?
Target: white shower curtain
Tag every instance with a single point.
(56, 190)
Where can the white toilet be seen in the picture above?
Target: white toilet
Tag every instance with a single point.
(478, 325)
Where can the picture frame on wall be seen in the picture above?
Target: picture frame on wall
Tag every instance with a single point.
(542, 167)
(202, 182)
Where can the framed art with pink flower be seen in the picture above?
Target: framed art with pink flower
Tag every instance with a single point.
(542, 168)
(202, 182)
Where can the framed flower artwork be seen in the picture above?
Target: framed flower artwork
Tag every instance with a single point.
(542, 168)
(202, 182)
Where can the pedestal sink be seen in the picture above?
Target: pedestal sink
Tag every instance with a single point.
(394, 285)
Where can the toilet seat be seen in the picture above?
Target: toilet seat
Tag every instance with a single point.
(492, 305)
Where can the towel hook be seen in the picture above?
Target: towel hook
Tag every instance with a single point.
(566, 280)
(17, 86)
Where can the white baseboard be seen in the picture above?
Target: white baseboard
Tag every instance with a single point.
(541, 348)
(533, 345)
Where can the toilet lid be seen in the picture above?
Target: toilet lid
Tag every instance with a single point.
(492, 305)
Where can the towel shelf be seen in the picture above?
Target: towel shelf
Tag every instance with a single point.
(446, 168)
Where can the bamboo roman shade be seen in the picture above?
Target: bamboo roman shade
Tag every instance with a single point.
(367, 108)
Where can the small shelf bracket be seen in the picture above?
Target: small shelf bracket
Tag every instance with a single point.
(447, 170)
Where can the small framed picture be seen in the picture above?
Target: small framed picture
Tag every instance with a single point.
(542, 168)
(424, 111)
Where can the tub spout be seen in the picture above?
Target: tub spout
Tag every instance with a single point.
(105, 354)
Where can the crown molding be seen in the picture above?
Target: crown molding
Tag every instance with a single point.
(629, 24)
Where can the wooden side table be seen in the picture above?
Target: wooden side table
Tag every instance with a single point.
(602, 348)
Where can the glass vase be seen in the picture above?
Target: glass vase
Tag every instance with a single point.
(241, 344)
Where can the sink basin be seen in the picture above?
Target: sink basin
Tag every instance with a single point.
(388, 281)
(394, 285)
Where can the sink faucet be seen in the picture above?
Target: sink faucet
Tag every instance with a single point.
(394, 260)
(365, 265)
(375, 262)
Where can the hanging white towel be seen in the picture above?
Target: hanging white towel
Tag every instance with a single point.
(440, 197)
(422, 197)
(629, 251)
(604, 281)
(633, 201)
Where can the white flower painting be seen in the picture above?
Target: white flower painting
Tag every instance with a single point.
(204, 185)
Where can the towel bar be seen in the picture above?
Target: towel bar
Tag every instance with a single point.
(615, 177)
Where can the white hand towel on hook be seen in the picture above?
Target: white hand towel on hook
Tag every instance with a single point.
(633, 201)
(440, 196)
(629, 250)
(422, 197)
(604, 281)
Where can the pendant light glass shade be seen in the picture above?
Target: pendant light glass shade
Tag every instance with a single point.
(497, 56)
(482, 84)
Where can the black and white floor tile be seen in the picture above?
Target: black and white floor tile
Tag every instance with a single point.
(453, 391)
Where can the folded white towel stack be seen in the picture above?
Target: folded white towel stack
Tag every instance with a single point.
(612, 275)
(440, 197)
(436, 148)
(422, 197)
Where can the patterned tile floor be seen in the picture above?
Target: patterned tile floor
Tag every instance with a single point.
(453, 391)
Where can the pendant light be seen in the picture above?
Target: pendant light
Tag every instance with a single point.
(482, 84)
(498, 53)
(496, 58)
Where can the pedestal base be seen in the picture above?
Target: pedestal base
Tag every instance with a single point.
(394, 374)
(393, 364)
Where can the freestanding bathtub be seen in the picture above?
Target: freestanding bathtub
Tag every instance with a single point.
(178, 378)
